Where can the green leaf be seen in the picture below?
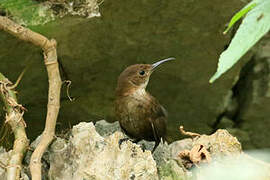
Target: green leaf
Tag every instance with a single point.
(254, 26)
(238, 15)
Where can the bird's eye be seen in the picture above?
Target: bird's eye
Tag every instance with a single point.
(142, 72)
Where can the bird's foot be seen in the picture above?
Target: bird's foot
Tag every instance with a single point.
(143, 147)
(121, 141)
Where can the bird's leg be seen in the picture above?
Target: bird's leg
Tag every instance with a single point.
(156, 145)
(143, 147)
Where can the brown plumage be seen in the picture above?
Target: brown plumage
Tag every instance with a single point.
(140, 115)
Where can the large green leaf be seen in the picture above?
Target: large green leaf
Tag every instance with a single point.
(254, 26)
(239, 15)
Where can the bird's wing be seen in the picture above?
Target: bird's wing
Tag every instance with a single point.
(158, 120)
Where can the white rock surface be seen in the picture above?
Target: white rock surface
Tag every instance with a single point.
(90, 156)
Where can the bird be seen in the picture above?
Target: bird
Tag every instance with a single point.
(140, 115)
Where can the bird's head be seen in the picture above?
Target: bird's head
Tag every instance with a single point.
(136, 77)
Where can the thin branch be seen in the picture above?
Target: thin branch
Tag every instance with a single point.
(19, 79)
(50, 60)
(68, 82)
(14, 118)
(187, 133)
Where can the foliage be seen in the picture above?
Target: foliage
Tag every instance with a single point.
(27, 12)
(254, 26)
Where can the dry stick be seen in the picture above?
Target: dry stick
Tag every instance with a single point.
(187, 133)
(14, 119)
(50, 58)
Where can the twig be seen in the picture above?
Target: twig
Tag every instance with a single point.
(192, 134)
(68, 82)
(50, 60)
(14, 118)
(18, 80)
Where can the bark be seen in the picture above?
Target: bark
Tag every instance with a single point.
(14, 117)
(50, 60)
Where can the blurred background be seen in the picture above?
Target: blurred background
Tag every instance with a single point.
(94, 51)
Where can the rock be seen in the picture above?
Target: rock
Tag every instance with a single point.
(105, 128)
(162, 153)
(86, 155)
(228, 160)
(253, 94)
(219, 144)
(91, 156)
(180, 145)
(59, 156)
(242, 136)
(225, 122)
(205, 148)
(172, 171)
(87, 151)
(232, 108)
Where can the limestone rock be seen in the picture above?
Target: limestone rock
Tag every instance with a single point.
(220, 143)
(86, 155)
(225, 122)
(91, 156)
(254, 98)
(205, 149)
(105, 129)
(180, 145)
(172, 171)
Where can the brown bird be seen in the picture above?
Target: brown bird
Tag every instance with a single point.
(140, 115)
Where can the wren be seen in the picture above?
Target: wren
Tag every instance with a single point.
(140, 115)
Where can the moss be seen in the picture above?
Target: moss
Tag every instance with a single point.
(171, 171)
(27, 12)
(32, 12)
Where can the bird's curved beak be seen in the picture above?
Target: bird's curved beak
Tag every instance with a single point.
(160, 62)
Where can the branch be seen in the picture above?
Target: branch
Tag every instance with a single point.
(14, 118)
(50, 59)
(187, 133)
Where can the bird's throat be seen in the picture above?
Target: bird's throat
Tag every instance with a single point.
(139, 93)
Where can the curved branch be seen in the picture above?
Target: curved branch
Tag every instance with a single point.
(50, 59)
(14, 118)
